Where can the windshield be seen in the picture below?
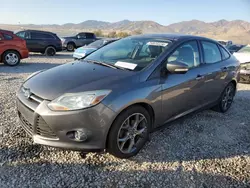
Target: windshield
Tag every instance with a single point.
(245, 49)
(130, 53)
(97, 44)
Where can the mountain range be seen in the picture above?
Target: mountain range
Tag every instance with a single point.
(237, 30)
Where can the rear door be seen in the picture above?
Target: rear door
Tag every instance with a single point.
(214, 71)
(37, 41)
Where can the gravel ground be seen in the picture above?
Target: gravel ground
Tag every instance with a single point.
(206, 149)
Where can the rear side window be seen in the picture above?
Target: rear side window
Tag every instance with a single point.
(89, 35)
(37, 35)
(7, 37)
(225, 54)
(211, 52)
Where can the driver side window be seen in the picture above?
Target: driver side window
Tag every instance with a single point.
(187, 53)
(81, 36)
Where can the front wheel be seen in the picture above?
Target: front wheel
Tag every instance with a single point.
(11, 58)
(226, 98)
(129, 132)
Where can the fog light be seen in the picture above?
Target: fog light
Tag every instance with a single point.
(78, 135)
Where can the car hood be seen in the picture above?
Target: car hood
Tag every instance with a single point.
(77, 76)
(72, 37)
(242, 57)
(85, 50)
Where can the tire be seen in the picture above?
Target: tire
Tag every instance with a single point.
(70, 47)
(50, 51)
(11, 58)
(226, 99)
(126, 140)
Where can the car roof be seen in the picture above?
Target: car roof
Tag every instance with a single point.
(6, 31)
(173, 37)
(85, 33)
(31, 30)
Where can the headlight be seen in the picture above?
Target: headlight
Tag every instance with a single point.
(77, 101)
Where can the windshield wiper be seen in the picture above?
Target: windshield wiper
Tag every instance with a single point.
(102, 63)
(107, 65)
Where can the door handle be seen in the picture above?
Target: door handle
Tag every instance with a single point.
(199, 77)
(224, 69)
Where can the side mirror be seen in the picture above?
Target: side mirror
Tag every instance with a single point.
(177, 67)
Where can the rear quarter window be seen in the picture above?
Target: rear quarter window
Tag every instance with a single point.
(225, 54)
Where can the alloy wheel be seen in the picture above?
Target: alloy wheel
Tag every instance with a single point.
(132, 133)
(227, 97)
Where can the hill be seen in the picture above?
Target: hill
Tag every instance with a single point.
(236, 30)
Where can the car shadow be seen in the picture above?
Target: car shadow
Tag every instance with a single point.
(86, 174)
(27, 67)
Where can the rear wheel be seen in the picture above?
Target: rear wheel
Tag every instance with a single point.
(11, 58)
(226, 98)
(70, 46)
(50, 51)
(129, 132)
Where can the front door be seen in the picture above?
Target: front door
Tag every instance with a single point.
(181, 93)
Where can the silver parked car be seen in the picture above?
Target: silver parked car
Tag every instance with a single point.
(117, 95)
(87, 49)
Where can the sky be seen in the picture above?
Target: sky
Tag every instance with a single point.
(162, 11)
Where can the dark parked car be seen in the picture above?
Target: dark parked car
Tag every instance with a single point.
(85, 50)
(114, 97)
(81, 39)
(235, 48)
(12, 48)
(41, 41)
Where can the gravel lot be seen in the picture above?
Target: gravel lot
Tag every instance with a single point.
(207, 149)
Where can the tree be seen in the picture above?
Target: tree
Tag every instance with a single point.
(122, 34)
(112, 34)
(98, 33)
(137, 32)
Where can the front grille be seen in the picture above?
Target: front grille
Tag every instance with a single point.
(26, 125)
(43, 129)
(32, 96)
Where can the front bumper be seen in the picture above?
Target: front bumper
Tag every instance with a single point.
(24, 53)
(244, 76)
(50, 128)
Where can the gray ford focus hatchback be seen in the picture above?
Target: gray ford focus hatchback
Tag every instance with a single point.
(112, 99)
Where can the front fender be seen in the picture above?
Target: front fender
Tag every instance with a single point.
(148, 93)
